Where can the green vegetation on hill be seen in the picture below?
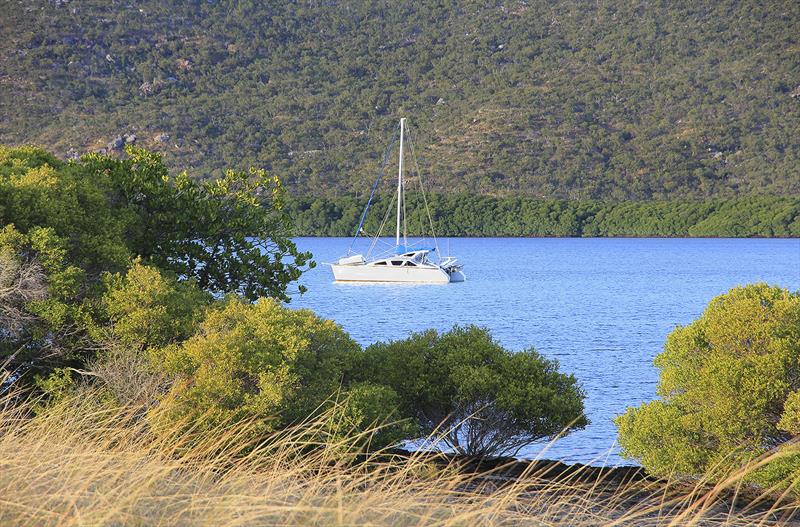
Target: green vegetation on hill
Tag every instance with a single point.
(468, 215)
(565, 99)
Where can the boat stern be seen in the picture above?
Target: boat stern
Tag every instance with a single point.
(456, 275)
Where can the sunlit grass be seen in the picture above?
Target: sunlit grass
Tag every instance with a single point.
(85, 463)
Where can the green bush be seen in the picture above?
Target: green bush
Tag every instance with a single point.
(273, 366)
(146, 309)
(266, 363)
(372, 413)
(229, 234)
(482, 398)
(728, 390)
(41, 315)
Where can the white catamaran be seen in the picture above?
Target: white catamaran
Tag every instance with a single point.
(403, 262)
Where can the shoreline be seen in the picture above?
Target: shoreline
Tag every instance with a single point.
(628, 481)
(515, 468)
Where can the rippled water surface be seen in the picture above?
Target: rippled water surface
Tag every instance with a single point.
(602, 307)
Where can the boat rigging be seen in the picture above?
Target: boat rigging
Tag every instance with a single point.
(404, 262)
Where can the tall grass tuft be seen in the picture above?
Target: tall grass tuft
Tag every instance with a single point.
(87, 462)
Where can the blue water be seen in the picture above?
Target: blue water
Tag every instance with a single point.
(602, 307)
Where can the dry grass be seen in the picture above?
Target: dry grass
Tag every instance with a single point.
(82, 463)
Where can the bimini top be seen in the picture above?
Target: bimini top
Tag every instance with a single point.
(405, 249)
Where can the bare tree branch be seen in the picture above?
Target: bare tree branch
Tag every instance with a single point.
(22, 280)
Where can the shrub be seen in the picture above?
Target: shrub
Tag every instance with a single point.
(728, 389)
(41, 316)
(369, 417)
(140, 312)
(147, 308)
(259, 362)
(22, 280)
(483, 399)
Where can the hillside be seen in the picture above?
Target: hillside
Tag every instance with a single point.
(606, 99)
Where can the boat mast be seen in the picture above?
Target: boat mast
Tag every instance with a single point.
(400, 180)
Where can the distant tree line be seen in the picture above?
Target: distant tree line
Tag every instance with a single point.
(469, 215)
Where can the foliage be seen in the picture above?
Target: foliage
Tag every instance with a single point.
(469, 215)
(146, 309)
(369, 417)
(229, 362)
(79, 207)
(71, 230)
(44, 320)
(230, 234)
(58, 385)
(482, 399)
(728, 389)
(22, 280)
(790, 419)
(142, 311)
(573, 100)
(260, 362)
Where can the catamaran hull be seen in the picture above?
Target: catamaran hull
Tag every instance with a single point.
(372, 273)
(457, 276)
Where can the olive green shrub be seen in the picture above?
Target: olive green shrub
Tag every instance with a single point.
(728, 391)
(267, 364)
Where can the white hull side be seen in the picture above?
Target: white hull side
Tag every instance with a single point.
(373, 273)
(457, 276)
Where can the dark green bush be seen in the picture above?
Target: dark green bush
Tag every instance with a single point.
(479, 397)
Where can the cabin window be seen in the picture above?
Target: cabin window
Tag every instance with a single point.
(397, 262)
(380, 263)
(411, 264)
